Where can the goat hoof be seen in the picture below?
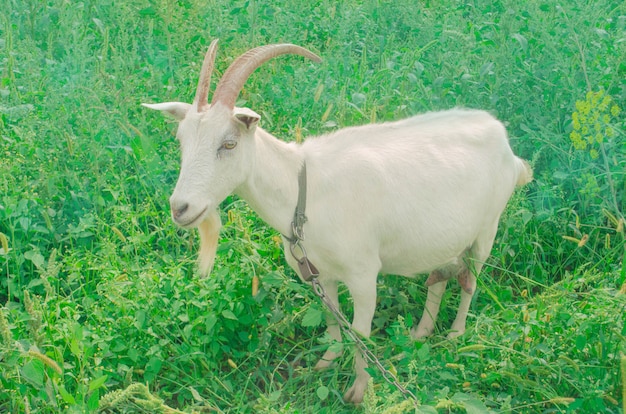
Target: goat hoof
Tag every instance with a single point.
(327, 360)
(355, 393)
(456, 334)
(322, 364)
(420, 333)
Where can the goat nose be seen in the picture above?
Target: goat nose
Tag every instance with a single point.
(178, 209)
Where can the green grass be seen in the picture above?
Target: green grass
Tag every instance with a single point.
(98, 286)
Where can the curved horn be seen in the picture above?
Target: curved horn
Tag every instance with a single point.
(204, 83)
(236, 75)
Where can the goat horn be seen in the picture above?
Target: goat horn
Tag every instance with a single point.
(236, 75)
(204, 83)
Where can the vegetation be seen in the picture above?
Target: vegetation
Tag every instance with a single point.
(101, 308)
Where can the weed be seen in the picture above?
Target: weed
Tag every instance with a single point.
(98, 285)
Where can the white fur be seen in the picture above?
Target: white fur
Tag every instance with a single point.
(415, 196)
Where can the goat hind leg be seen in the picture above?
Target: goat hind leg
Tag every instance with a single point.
(431, 310)
(467, 280)
(474, 260)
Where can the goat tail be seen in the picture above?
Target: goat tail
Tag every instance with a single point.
(209, 230)
(524, 172)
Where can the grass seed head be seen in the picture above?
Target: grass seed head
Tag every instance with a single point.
(4, 243)
(5, 331)
(562, 400)
(623, 369)
(46, 360)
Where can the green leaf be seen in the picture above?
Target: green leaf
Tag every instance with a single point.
(336, 347)
(312, 317)
(97, 383)
(33, 372)
(94, 401)
(148, 11)
(196, 395)
(152, 369)
(140, 319)
(35, 257)
(273, 279)
(210, 321)
(508, 315)
(322, 392)
(471, 404)
(523, 43)
(424, 352)
(75, 347)
(67, 397)
(229, 315)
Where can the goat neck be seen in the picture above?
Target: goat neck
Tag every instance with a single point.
(271, 188)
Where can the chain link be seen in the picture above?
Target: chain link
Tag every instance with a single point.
(369, 356)
(310, 273)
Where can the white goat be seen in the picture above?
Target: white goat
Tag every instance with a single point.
(419, 195)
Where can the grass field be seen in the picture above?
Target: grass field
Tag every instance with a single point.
(101, 309)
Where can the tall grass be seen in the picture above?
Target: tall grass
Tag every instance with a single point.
(98, 285)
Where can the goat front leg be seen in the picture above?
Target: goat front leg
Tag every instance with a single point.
(330, 288)
(364, 297)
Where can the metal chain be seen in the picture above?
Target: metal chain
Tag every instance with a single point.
(369, 356)
(310, 274)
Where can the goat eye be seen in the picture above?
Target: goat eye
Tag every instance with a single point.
(228, 145)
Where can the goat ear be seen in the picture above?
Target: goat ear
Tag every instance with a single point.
(176, 109)
(246, 117)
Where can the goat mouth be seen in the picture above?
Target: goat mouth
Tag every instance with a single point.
(193, 222)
